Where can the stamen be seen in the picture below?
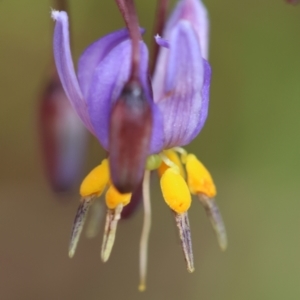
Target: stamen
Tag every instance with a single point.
(145, 232)
(172, 156)
(169, 162)
(182, 222)
(215, 218)
(95, 182)
(199, 179)
(79, 220)
(183, 153)
(175, 191)
(95, 219)
(112, 218)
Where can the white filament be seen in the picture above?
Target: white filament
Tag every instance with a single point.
(145, 232)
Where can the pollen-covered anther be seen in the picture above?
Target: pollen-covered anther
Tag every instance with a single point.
(201, 183)
(183, 225)
(199, 179)
(175, 191)
(216, 220)
(113, 198)
(177, 195)
(95, 182)
(82, 211)
(115, 202)
(91, 187)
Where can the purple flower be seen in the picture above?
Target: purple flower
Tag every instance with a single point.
(180, 88)
(143, 123)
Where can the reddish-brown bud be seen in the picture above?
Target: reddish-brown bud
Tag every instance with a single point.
(63, 138)
(130, 134)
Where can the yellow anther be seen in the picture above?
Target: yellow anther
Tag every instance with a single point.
(175, 191)
(174, 158)
(95, 182)
(199, 179)
(113, 198)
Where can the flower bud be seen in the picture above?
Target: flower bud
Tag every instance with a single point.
(130, 134)
(63, 138)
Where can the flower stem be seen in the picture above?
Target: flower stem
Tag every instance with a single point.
(128, 12)
(61, 5)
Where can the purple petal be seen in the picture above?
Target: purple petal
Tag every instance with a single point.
(108, 80)
(195, 12)
(65, 67)
(205, 99)
(181, 104)
(94, 54)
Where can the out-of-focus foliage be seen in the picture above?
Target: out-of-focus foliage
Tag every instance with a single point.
(250, 144)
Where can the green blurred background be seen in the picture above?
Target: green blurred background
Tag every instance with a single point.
(250, 144)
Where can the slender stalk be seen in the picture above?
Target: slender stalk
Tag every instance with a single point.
(61, 5)
(145, 232)
(128, 12)
(161, 15)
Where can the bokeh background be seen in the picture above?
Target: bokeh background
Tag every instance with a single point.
(250, 143)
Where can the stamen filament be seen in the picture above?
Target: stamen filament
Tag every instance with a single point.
(79, 220)
(169, 162)
(183, 153)
(215, 218)
(182, 222)
(145, 232)
(112, 218)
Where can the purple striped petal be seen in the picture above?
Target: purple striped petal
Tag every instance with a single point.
(183, 98)
(195, 12)
(65, 67)
(108, 81)
(94, 54)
